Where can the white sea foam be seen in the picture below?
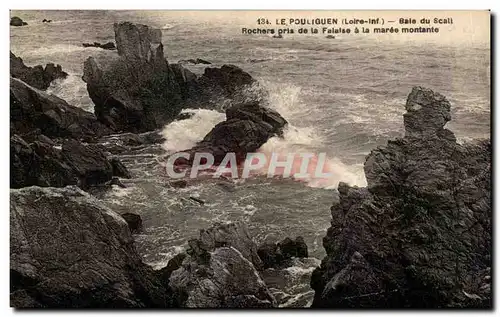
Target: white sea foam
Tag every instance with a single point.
(59, 49)
(285, 99)
(167, 26)
(183, 134)
(73, 90)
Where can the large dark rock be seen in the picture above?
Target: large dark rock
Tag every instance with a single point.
(419, 235)
(278, 255)
(270, 255)
(272, 121)
(38, 163)
(126, 142)
(41, 163)
(106, 46)
(17, 21)
(37, 76)
(138, 91)
(219, 87)
(67, 250)
(246, 129)
(224, 280)
(88, 163)
(119, 169)
(134, 221)
(32, 109)
(194, 61)
(220, 271)
(234, 234)
(228, 79)
(172, 265)
(426, 114)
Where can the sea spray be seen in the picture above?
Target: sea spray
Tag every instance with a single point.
(73, 90)
(184, 134)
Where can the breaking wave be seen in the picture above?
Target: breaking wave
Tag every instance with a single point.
(59, 49)
(285, 99)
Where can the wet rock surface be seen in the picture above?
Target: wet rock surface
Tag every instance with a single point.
(125, 142)
(194, 61)
(106, 46)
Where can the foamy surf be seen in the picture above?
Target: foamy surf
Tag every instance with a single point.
(167, 26)
(285, 99)
(59, 49)
(184, 134)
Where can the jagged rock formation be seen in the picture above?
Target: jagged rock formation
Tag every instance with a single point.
(17, 21)
(37, 76)
(247, 127)
(134, 221)
(419, 235)
(32, 109)
(141, 91)
(219, 270)
(69, 251)
(42, 163)
(138, 92)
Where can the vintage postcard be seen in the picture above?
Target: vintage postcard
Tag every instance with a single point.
(250, 159)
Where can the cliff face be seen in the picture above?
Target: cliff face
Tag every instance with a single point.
(419, 235)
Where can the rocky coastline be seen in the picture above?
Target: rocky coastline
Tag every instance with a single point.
(418, 236)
